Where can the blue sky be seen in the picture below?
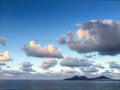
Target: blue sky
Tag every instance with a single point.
(43, 21)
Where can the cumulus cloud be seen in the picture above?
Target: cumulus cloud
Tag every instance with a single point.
(27, 67)
(75, 62)
(113, 64)
(48, 63)
(35, 50)
(5, 56)
(101, 36)
(2, 41)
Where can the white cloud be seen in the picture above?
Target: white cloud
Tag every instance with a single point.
(48, 63)
(35, 50)
(5, 56)
(75, 62)
(101, 36)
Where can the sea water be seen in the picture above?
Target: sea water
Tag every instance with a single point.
(58, 85)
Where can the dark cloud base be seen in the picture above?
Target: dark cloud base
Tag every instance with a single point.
(102, 36)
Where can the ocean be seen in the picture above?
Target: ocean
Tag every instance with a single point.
(58, 85)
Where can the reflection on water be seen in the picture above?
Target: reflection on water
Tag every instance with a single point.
(58, 85)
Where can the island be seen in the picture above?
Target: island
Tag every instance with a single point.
(86, 78)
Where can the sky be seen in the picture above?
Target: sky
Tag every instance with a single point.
(57, 39)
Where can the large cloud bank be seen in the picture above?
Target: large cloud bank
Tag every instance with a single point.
(101, 36)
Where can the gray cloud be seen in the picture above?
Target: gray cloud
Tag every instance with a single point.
(90, 55)
(45, 75)
(12, 72)
(8, 66)
(111, 74)
(2, 41)
(2, 64)
(94, 36)
(48, 63)
(27, 67)
(89, 69)
(69, 71)
(75, 62)
(34, 49)
(52, 75)
(113, 64)
(62, 39)
(100, 66)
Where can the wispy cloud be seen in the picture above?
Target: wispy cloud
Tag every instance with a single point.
(89, 69)
(2, 41)
(68, 71)
(2, 64)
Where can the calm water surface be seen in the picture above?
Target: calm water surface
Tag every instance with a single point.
(58, 85)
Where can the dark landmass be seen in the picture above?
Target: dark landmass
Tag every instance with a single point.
(77, 78)
(85, 78)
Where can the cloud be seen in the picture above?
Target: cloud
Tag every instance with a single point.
(111, 74)
(113, 64)
(75, 62)
(48, 63)
(2, 41)
(89, 69)
(101, 36)
(27, 67)
(2, 64)
(35, 50)
(88, 56)
(11, 72)
(24, 72)
(101, 66)
(5, 56)
(69, 71)
(8, 67)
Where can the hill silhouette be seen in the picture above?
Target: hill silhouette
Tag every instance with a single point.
(85, 78)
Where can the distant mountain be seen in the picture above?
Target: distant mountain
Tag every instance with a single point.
(85, 78)
(77, 78)
(101, 77)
